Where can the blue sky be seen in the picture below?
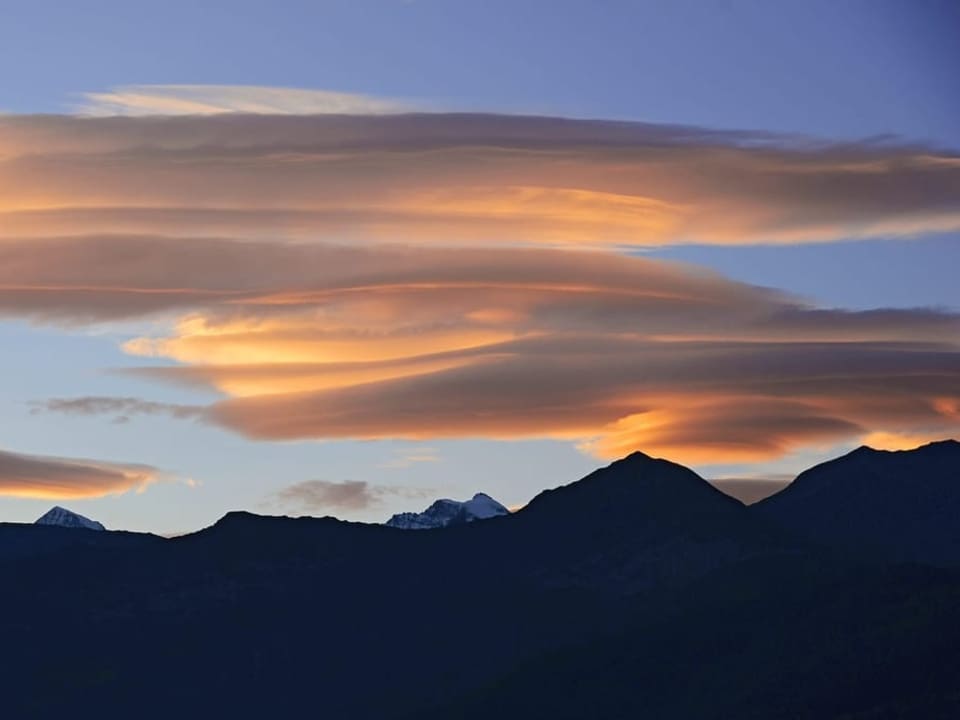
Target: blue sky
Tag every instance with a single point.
(840, 71)
(850, 69)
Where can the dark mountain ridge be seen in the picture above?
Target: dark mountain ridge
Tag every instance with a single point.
(898, 505)
(638, 591)
(31, 541)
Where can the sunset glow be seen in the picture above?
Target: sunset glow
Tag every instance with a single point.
(256, 285)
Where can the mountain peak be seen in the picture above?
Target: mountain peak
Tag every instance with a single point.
(62, 517)
(635, 486)
(446, 512)
(636, 457)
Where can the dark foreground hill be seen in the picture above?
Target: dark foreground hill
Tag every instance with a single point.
(902, 505)
(51, 543)
(639, 591)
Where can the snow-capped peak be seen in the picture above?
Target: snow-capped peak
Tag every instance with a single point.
(445, 512)
(66, 518)
(481, 506)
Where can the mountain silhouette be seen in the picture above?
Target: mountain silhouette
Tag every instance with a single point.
(638, 591)
(901, 505)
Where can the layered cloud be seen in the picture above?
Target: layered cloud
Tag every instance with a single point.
(613, 352)
(34, 476)
(455, 179)
(401, 276)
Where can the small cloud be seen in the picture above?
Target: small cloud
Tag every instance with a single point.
(412, 456)
(121, 408)
(322, 495)
(54, 478)
(141, 100)
(325, 495)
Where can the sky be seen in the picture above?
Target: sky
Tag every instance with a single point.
(347, 257)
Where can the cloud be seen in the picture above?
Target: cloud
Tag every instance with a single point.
(145, 100)
(51, 478)
(613, 352)
(412, 456)
(460, 179)
(324, 495)
(122, 408)
(400, 276)
(629, 399)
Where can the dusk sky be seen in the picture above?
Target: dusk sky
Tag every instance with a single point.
(352, 256)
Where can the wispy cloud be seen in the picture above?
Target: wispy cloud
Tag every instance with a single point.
(412, 456)
(121, 408)
(53, 478)
(141, 100)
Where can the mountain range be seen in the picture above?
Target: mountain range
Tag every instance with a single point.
(638, 591)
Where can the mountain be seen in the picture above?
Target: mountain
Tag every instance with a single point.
(65, 518)
(633, 491)
(444, 513)
(898, 505)
(638, 591)
(639, 523)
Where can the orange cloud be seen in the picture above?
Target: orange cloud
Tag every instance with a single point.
(49, 478)
(614, 352)
(672, 399)
(733, 429)
(619, 352)
(399, 276)
(450, 179)
(899, 441)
